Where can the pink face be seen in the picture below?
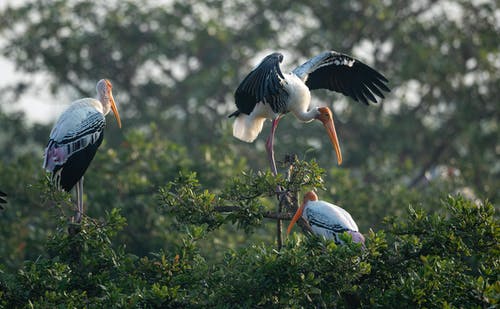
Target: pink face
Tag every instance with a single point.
(104, 87)
(326, 117)
(357, 237)
(105, 95)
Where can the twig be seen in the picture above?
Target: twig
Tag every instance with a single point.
(278, 216)
(283, 197)
(279, 226)
(269, 214)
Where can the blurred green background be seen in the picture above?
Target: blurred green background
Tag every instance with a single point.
(174, 66)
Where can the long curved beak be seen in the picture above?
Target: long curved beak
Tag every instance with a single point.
(330, 129)
(115, 111)
(295, 218)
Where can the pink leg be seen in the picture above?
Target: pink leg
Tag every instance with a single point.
(270, 155)
(79, 200)
(270, 146)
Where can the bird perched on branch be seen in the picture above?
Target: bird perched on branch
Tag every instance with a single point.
(326, 219)
(75, 138)
(267, 93)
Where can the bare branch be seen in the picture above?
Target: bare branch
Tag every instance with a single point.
(269, 214)
(227, 208)
(278, 216)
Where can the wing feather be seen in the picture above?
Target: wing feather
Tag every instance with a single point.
(344, 74)
(330, 217)
(375, 90)
(73, 135)
(263, 84)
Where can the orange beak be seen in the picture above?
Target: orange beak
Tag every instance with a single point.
(326, 117)
(309, 196)
(295, 218)
(115, 110)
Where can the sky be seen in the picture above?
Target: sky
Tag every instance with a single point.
(42, 106)
(38, 103)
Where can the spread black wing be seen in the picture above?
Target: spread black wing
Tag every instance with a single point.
(264, 84)
(349, 76)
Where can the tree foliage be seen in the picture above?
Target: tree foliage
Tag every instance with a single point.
(420, 260)
(181, 214)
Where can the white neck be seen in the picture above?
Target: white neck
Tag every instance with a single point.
(307, 116)
(299, 100)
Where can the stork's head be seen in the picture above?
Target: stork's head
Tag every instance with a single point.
(105, 95)
(326, 117)
(309, 196)
(357, 237)
(274, 55)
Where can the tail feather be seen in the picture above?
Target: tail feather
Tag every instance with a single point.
(247, 128)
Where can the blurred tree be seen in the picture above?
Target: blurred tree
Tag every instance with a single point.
(177, 64)
(174, 67)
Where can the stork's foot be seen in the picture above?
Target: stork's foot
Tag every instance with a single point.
(282, 194)
(74, 227)
(280, 191)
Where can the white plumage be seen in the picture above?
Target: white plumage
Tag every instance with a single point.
(326, 219)
(75, 138)
(248, 127)
(267, 93)
(78, 126)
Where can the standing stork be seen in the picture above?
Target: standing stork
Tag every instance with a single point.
(326, 219)
(75, 138)
(267, 93)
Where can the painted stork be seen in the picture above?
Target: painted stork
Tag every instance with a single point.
(326, 219)
(267, 93)
(75, 138)
(2, 199)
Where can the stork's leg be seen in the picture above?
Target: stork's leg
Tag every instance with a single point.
(79, 200)
(270, 145)
(274, 170)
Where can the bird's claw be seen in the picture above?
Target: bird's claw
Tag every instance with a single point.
(74, 227)
(283, 195)
(280, 192)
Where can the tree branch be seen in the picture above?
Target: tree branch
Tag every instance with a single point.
(268, 214)
(287, 204)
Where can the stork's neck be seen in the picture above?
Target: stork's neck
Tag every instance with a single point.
(307, 116)
(105, 101)
(299, 99)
